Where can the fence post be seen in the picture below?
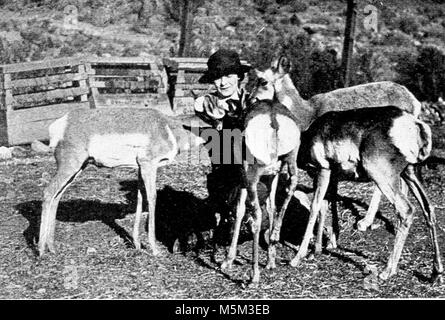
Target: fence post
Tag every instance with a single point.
(82, 83)
(93, 90)
(6, 104)
(9, 100)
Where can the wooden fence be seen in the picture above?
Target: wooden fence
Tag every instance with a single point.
(135, 82)
(34, 94)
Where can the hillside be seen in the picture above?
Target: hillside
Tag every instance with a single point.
(258, 29)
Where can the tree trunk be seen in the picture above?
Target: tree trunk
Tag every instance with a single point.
(186, 29)
(348, 44)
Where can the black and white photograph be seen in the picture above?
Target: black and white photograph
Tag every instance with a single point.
(222, 156)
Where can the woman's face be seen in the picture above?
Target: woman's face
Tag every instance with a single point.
(227, 85)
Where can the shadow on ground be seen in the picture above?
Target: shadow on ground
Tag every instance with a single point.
(181, 218)
(178, 214)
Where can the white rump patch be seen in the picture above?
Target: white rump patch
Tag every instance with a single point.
(404, 134)
(56, 131)
(261, 140)
(288, 134)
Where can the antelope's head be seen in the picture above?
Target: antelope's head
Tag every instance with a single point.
(269, 82)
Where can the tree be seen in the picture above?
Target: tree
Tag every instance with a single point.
(188, 10)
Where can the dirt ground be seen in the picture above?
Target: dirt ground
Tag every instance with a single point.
(95, 259)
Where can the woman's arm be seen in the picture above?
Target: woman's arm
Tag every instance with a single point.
(206, 107)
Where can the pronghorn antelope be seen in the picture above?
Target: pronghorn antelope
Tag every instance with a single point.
(117, 137)
(270, 135)
(275, 82)
(380, 144)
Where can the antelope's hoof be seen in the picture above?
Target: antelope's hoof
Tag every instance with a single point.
(331, 245)
(254, 280)
(363, 225)
(51, 247)
(271, 265)
(384, 275)
(137, 245)
(42, 251)
(275, 236)
(46, 247)
(295, 262)
(154, 251)
(437, 279)
(226, 265)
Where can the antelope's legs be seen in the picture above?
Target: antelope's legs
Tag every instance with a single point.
(271, 210)
(148, 173)
(428, 212)
(367, 221)
(138, 214)
(240, 211)
(291, 161)
(68, 168)
(253, 176)
(320, 192)
(387, 177)
(277, 223)
(334, 231)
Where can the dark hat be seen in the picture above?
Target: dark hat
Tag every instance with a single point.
(223, 62)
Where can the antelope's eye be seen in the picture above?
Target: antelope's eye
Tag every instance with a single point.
(262, 82)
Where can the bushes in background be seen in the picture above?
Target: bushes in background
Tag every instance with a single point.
(313, 70)
(424, 73)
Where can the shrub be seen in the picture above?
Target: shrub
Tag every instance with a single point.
(262, 5)
(294, 6)
(435, 30)
(325, 74)
(409, 24)
(423, 74)
(388, 16)
(294, 20)
(396, 38)
(431, 11)
(313, 70)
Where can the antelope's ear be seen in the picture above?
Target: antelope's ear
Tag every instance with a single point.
(274, 64)
(283, 65)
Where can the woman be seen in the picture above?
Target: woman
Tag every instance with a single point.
(223, 109)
